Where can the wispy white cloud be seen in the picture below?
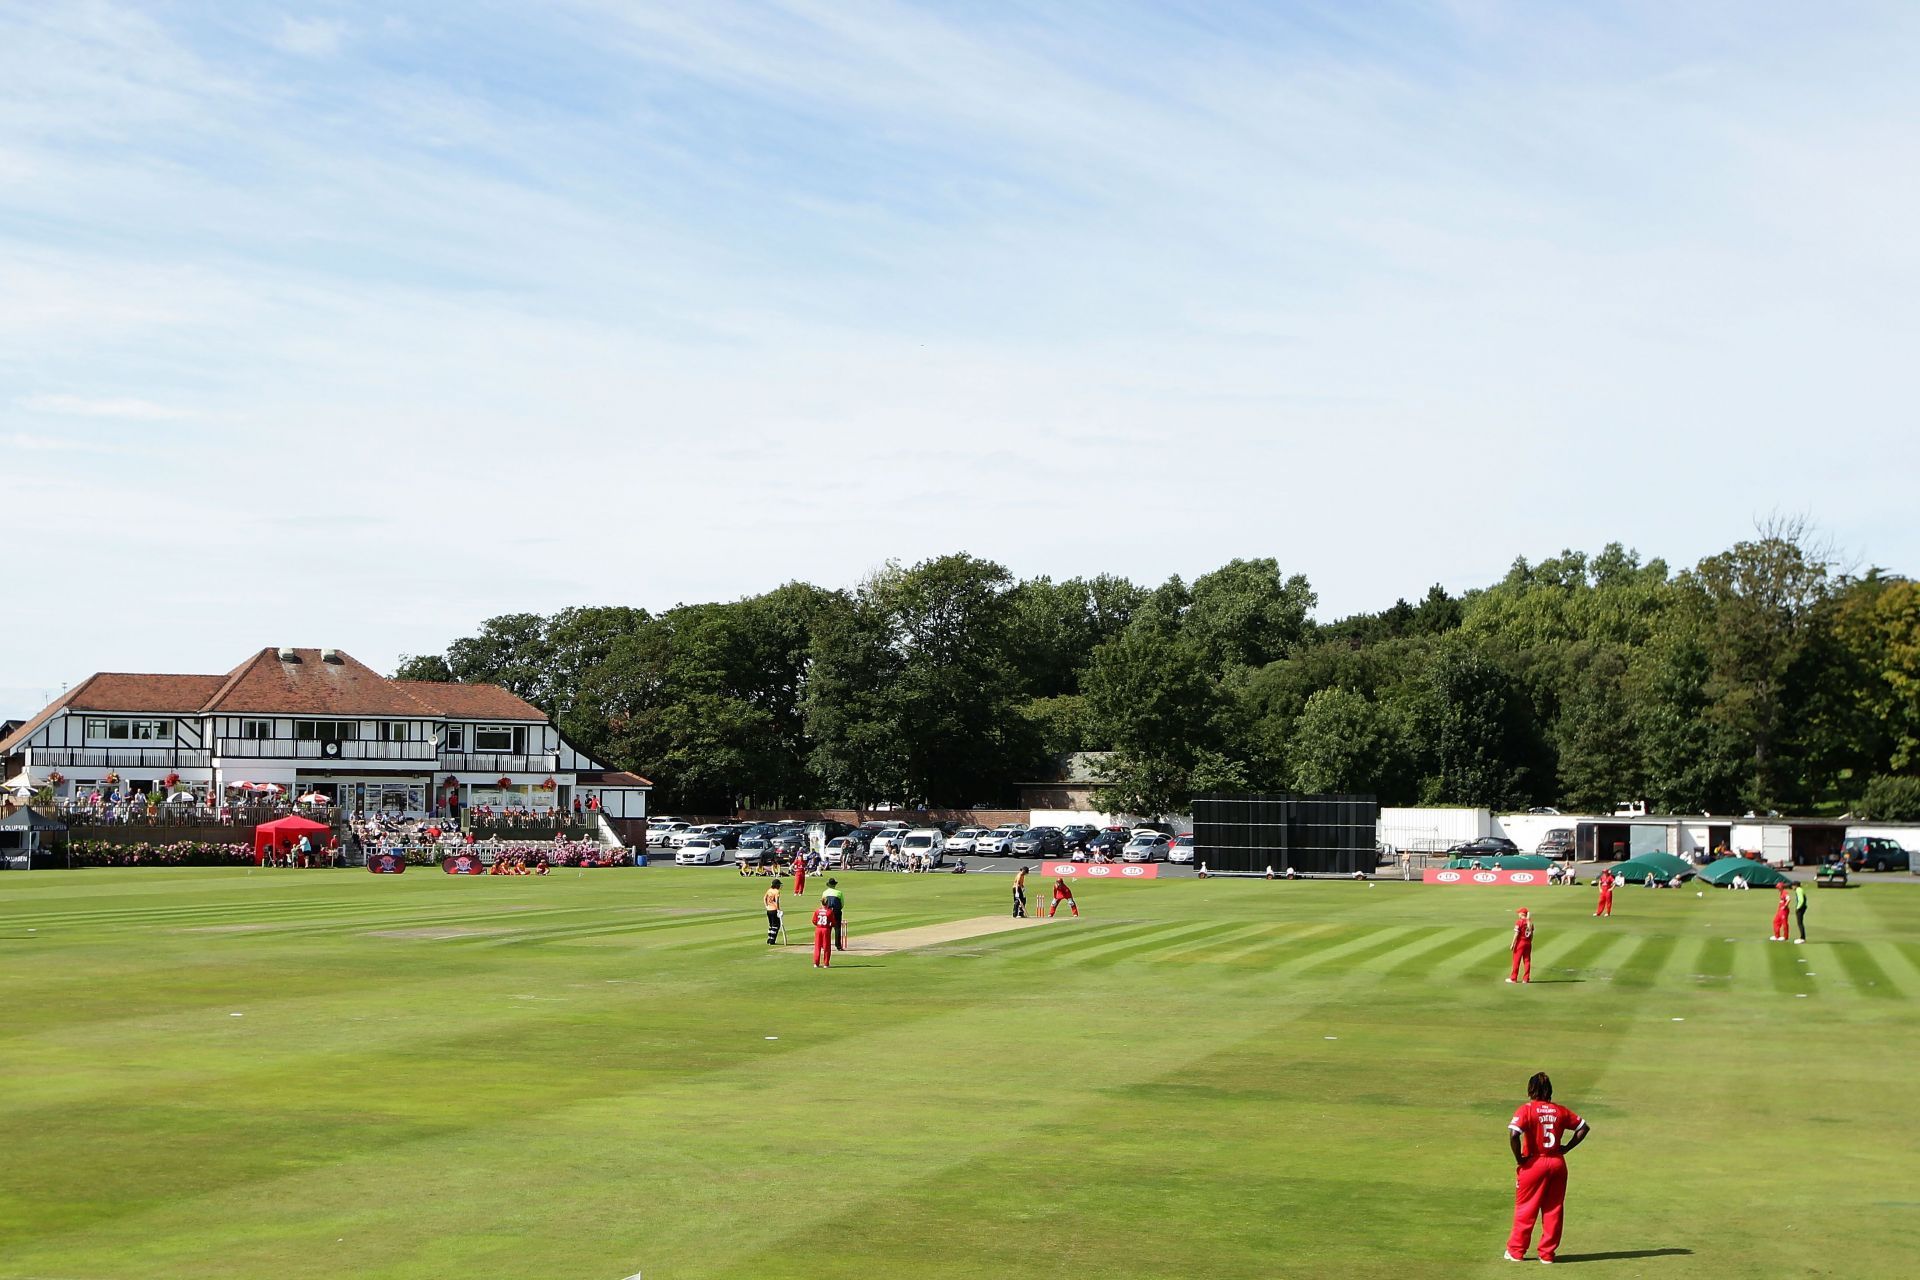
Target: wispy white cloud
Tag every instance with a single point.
(512, 273)
(126, 407)
(309, 37)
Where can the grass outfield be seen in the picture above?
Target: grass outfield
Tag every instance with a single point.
(575, 1078)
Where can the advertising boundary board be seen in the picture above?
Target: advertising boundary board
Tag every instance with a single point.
(1437, 875)
(1101, 870)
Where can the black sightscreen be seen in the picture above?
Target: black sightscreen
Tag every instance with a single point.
(1312, 834)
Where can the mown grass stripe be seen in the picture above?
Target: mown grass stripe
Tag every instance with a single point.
(1224, 941)
(1477, 957)
(1151, 945)
(1869, 978)
(1648, 962)
(1276, 949)
(1382, 942)
(1784, 970)
(1418, 963)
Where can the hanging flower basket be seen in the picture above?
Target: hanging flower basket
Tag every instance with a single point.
(111, 779)
(504, 783)
(171, 781)
(55, 778)
(548, 785)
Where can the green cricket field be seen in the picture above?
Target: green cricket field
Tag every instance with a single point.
(592, 1076)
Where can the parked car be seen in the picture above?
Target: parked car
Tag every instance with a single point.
(661, 834)
(1078, 835)
(700, 851)
(1180, 849)
(1038, 842)
(962, 840)
(928, 842)
(1109, 842)
(789, 841)
(838, 850)
(1485, 845)
(999, 841)
(1557, 843)
(886, 841)
(1149, 846)
(1877, 852)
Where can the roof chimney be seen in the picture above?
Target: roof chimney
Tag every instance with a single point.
(288, 655)
(330, 655)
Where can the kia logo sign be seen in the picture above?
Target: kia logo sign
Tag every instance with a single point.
(1130, 871)
(1099, 871)
(1484, 877)
(1447, 877)
(1520, 877)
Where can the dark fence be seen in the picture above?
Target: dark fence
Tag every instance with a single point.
(1315, 835)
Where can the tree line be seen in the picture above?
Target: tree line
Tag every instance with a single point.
(1764, 677)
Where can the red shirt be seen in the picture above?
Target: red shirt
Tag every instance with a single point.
(1523, 932)
(1541, 1126)
(1060, 889)
(822, 918)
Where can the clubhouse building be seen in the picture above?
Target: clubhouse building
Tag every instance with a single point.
(312, 720)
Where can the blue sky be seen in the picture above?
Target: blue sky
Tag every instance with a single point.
(355, 324)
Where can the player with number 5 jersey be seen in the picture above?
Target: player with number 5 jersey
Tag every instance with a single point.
(1540, 1134)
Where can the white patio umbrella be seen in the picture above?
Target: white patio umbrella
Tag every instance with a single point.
(271, 787)
(182, 797)
(314, 797)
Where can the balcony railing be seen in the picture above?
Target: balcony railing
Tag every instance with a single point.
(303, 749)
(490, 762)
(119, 758)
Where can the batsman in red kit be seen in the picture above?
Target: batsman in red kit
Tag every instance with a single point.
(1540, 1133)
(1522, 949)
(1605, 906)
(823, 936)
(1780, 914)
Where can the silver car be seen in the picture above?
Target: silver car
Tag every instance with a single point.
(1145, 848)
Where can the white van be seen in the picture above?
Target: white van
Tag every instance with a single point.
(927, 844)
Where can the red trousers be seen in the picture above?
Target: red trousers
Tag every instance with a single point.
(1780, 923)
(1539, 1191)
(823, 944)
(799, 881)
(1606, 903)
(1069, 901)
(1522, 957)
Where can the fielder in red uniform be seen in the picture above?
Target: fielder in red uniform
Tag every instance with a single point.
(1522, 949)
(1540, 1133)
(799, 874)
(1605, 906)
(822, 936)
(1062, 894)
(1780, 915)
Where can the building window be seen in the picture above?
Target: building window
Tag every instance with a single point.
(492, 737)
(395, 731)
(129, 730)
(256, 729)
(326, 730)
(456, 737)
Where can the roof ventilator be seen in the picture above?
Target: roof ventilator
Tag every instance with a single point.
(330, 655)
(288, 655)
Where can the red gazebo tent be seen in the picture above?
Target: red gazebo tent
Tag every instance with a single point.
(282, 833)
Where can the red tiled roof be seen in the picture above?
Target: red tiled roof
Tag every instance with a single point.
(122, 691)
(610, 778)
(312, 686)
(475, 701)
(263, 684)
